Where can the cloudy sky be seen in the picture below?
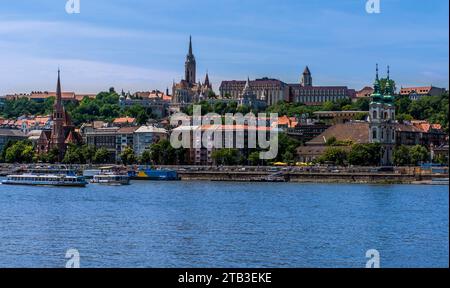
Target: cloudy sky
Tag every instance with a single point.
(141, 44)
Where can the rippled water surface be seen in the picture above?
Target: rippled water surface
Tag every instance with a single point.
(213, 224)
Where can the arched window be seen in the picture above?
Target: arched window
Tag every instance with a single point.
(375, 115)
(374, 134)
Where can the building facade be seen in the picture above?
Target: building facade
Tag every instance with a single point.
(157, 101)
(145, 136)
(415, 93)
(272, 90)
(7, 135)
(265, 89)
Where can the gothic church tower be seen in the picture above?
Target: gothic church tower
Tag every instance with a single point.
(190, 65)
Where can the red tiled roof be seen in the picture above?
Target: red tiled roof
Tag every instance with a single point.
(124, 120)
(127, 130)
(419, 90)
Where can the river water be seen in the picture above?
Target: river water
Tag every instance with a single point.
(214, 224)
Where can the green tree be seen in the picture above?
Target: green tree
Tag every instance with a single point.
(5, 148)
(441, 159)
(362, 104)
(383, 82)
(146, 157)
(226, 157)
(419, 154)
(335, 155)
(20, 152)
(73, 155)
(52, 155)
(254, 158)
(288, 157)
(162, 153)
(365, 154)
(101, 156)
(331, 106)
(286, 144)
(127, 156)
(404, 117)
(88, 152)
(401, 156)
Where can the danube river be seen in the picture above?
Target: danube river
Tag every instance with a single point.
(213, 224)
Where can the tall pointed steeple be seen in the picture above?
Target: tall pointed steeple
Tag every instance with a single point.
(389, 89)
(376, 95)
(247, 87)
(190, 46)
(376, 84)
(207, 83)
(388, 82)
(58, 102)
(59, 116)
(190, 65)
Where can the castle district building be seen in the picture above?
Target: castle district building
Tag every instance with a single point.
(273, 90)
(188, 90)
(415, 93)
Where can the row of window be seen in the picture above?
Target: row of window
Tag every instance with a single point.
(318, 99)
(384, 115)
(320, 92)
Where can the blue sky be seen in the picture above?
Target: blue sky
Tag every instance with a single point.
(141, 44)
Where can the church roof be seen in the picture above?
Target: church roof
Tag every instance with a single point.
(73, 138)
(306, 70)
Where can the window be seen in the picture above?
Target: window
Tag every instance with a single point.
(375, 115)
(374, 134)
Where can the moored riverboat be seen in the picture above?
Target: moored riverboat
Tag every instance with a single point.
(45, 180)
(153, 174)
(111, 179)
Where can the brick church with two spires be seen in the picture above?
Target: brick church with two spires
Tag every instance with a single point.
(63, 131)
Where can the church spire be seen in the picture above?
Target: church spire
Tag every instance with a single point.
(377, 78)
(376, 95)
(190, 46)
(190, 65)
(376, 84)
(207, 83)
(389, 89)
(58, 91)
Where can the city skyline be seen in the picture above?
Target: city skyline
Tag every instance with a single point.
(98, 48)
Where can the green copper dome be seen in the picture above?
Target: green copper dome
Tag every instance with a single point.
(376, 96)
(388, 97)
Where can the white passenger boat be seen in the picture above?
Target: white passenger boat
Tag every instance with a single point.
(89, 174)
(111, 179)
(45, 180)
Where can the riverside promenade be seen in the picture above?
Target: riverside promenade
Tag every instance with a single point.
(309, 174)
